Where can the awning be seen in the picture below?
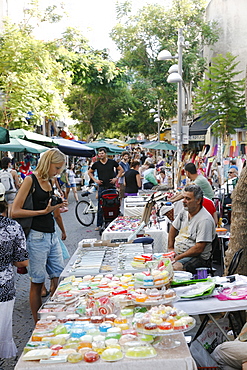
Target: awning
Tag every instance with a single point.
(199, 126)
(111, 149)
(162, 145)
(4, 135)
(19, 145)
(31, 136)
(71, 147)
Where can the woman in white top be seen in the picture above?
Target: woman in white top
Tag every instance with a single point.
(162, 177)
(14, 184)
(71, 184)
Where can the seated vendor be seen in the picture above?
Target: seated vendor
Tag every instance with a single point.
(192, 233)
(232, 355)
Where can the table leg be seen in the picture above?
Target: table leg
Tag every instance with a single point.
(218, 326)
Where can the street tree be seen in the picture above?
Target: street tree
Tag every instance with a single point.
(238, 225)
(32, 82)
(220, 96)
(99, 95)
(141, 36)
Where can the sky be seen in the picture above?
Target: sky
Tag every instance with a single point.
(95, 18)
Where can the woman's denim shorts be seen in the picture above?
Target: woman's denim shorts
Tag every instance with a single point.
(45, 255)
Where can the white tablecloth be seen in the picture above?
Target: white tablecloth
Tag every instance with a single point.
(178, 358)
(160, 236)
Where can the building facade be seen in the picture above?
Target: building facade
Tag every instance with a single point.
(231, 18)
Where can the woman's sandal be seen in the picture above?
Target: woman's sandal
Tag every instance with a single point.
(45, 293)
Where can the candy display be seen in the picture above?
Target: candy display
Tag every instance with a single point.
(106, 316)
(153, 296)
(163, 319)
(92, 335)
(153, 278)
(125, 224)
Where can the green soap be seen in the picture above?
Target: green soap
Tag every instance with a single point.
(113, 335)
(37, 344)
(60, 329)
(140, 309)
(146, 338)
(71, 345)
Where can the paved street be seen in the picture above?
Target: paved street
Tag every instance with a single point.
(22, 319)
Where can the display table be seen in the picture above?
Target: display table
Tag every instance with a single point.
(119, 260)
(176, 358)
(134, 206)
(209, 306)
(129, 225)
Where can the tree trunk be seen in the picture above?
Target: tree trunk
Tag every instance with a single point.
(238, 229)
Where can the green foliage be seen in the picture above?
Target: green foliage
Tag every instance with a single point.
(30, 79)
(141, 36)
(220, 97)
(50, 14)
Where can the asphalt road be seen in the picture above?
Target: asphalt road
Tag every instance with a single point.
(23, 324)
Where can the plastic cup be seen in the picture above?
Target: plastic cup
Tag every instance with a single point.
(202, 273)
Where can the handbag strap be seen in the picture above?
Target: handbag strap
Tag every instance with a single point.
(32, 188)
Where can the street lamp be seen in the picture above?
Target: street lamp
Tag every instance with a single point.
(175, 76)
(157, 117)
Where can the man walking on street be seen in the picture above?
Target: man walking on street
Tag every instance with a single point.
(126, 167)
(108, 172)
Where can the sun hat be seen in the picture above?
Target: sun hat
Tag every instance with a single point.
(2, 192)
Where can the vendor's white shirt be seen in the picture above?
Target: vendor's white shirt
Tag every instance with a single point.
(200, 228)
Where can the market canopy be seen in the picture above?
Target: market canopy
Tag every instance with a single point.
(19, 145)
(162, 145)
(20, 133)
(4, 135)
(116, 142)
(71, 147)
(135, 141)
(111, 149)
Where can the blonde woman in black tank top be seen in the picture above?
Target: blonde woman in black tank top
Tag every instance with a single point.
(42, 243)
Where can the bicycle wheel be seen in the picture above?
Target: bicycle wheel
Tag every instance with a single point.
(85, 217)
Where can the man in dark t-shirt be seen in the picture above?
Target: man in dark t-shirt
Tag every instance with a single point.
(108, 172)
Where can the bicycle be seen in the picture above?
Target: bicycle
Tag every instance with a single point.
(85, 210)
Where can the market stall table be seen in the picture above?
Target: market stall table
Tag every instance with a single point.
(210, 305)
(178, 358)
(123, 227)
(119, 259)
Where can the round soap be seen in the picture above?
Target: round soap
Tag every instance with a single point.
(91, 356)
(141, 352)
(74, 357)
(112, 354)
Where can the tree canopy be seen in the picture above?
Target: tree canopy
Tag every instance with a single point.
(32, 82)
(153, 28)
(220, 97)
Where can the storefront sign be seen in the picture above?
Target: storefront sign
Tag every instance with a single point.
(197, 138)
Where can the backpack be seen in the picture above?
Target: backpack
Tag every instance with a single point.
(63, 178)
(8, 182)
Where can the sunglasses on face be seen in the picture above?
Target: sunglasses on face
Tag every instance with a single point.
(230, 172)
